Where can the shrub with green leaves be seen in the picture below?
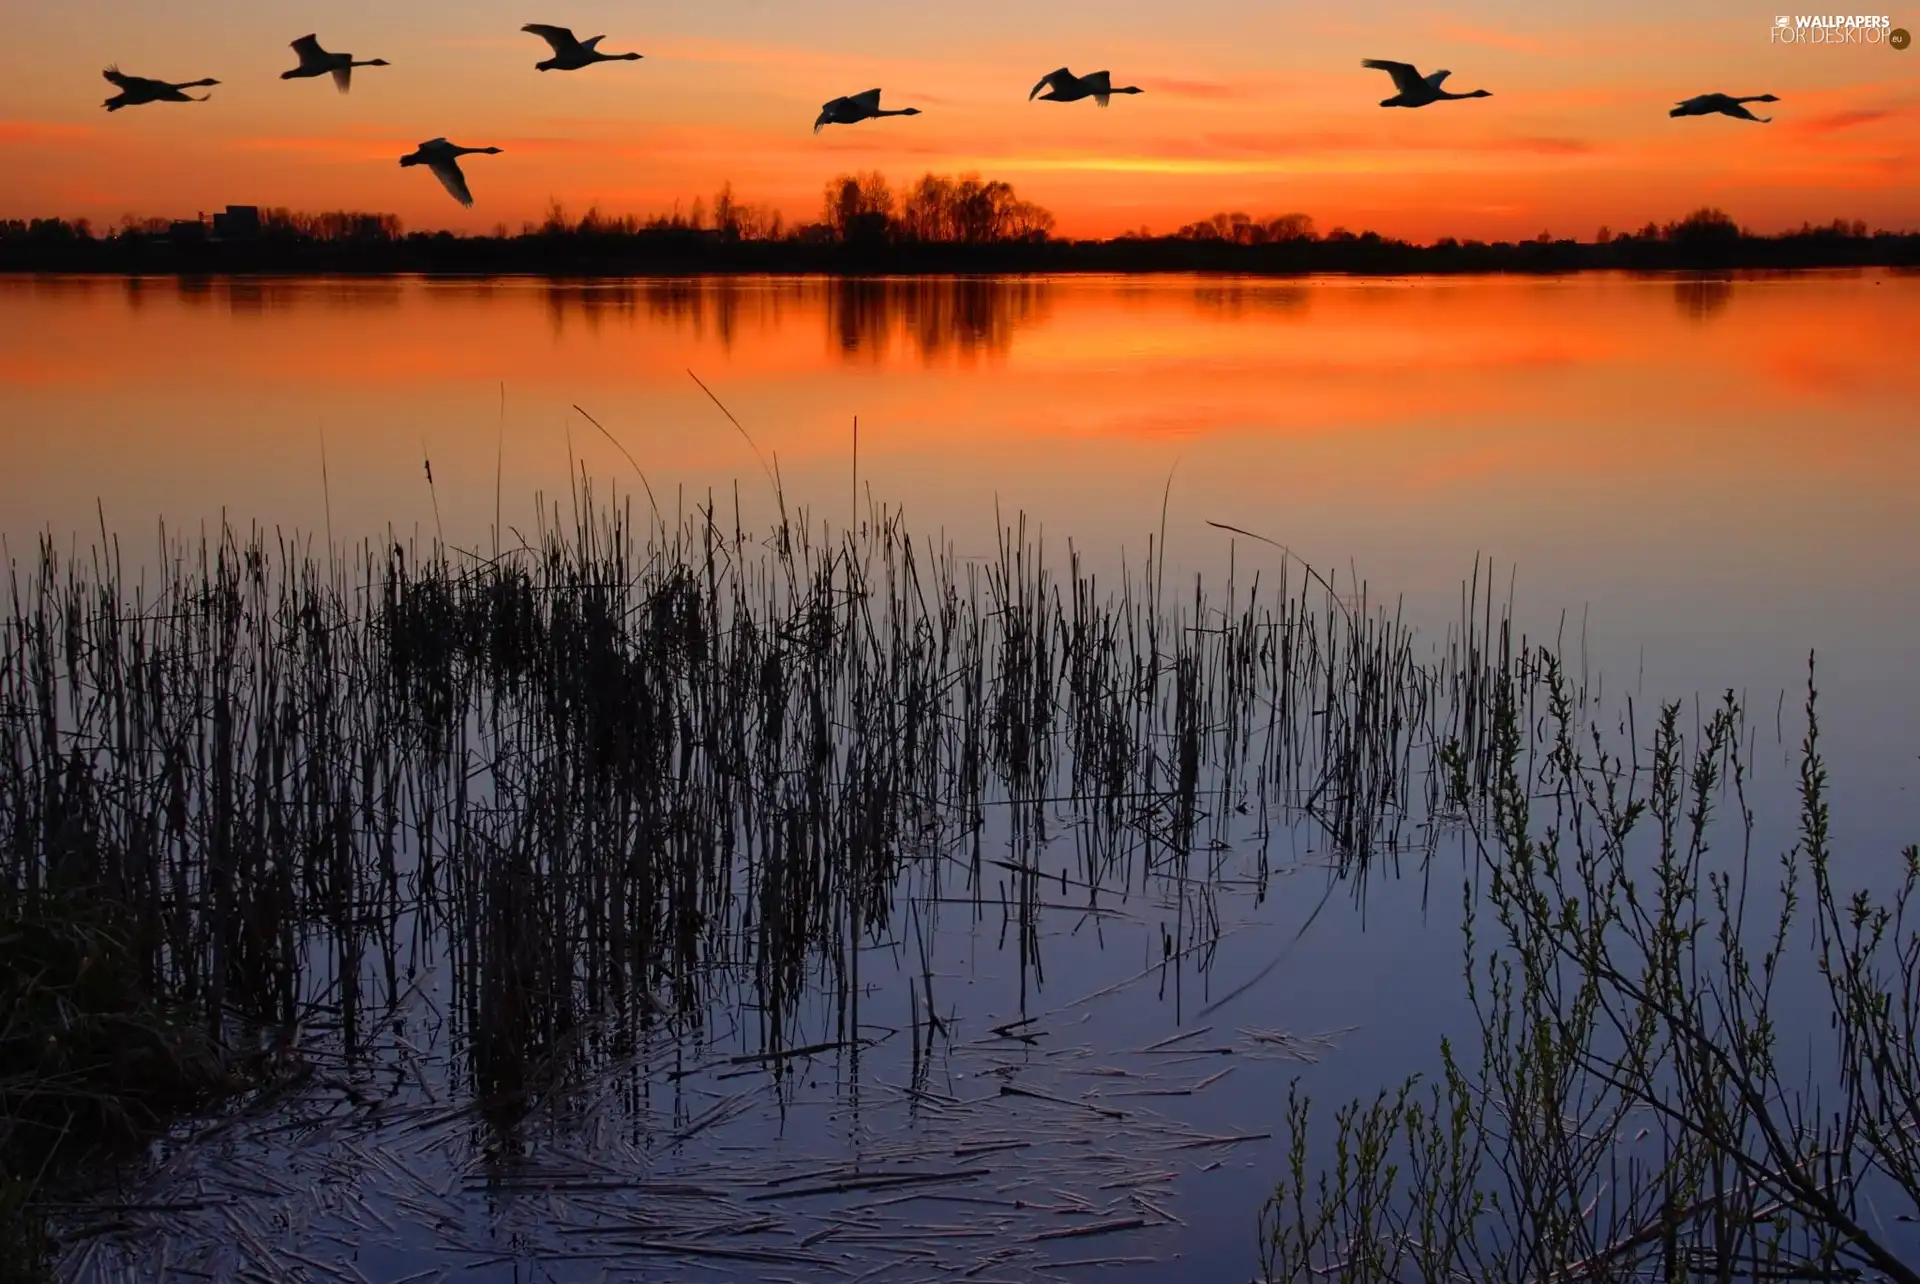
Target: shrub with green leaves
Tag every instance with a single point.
(1691, 1063)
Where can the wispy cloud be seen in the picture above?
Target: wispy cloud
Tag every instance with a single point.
(33, 132)
(1176, 88)
(734, 53)
(585, 136)
(1321, 142)
(1833, 122)
(1492, 38)
(1306, 142)
(1546, 146)
(524, 42)
(649, 144)
(353, 148)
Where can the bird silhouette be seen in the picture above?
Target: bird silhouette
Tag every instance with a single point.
(1069, 88)
(1415, 90)
(315, 61)
(443, 158)
(854, 108)
(1722, 105)
(570, 53)
(135, 90)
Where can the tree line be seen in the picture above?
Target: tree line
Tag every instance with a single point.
(937, 223)
(855, 209)
(936, 210)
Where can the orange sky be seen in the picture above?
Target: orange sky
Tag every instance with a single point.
(1257, 107)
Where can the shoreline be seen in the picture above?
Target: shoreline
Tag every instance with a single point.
(437, 256)
(882, 275)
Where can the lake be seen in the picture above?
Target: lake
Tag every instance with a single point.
(1689, 484)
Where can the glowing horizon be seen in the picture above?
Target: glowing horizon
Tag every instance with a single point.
(1266, 113)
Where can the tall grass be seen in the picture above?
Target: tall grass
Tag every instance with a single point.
(615, 770)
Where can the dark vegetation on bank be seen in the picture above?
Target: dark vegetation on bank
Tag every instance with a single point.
(939, 224)
(94, 1056)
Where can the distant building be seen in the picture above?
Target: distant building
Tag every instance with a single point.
(238, 223)
(187, 231)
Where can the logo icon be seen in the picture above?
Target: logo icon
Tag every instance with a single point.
(1899, 38)
(1783, 20)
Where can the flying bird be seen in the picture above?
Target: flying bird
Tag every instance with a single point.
(855, 108)
(135, 90)
(571, 54)
(1724, 105)
(315, 61)
(1415, 90)
(1069, 88)
(443, 158)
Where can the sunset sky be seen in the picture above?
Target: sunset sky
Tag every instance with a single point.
(1258, 107)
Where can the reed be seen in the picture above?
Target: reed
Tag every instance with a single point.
(631, 766)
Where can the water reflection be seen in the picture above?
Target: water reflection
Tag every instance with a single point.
(243, 295)
(936, 319)
(1238, 297)
(723, 309)
(868, 320)
(1401, 424)
(247, 295)
(1702, 298)
(1748, 511)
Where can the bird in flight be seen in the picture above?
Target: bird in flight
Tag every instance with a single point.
(1415, 90)
(1722, 105)
(854, 108)
(570, 53)
(135, 90)
(1069, 88)
(443, 158)
(315, 61)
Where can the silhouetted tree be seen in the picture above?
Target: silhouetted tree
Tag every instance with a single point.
(938, 209)
(46, 232)
(858, 208)
(1707, 235)
(1243, 229)
(329, 225)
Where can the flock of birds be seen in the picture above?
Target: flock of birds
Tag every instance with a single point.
(572, 54)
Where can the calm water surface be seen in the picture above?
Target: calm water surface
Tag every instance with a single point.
(1692, 483)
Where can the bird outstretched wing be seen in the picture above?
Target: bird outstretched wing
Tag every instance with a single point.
(308, 47)
(1435, 78)
(1060, 79)
(868, 101)
(115, 76)
(343, 78)
(1100, 84)
(447, 170)
(831, 112)
(1406, 76)
(560, 38)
